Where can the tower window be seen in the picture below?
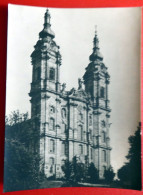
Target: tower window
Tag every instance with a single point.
(52, 124)
(52, 146)
(102, 92)
(63, 113)
(104, 169)
(51, 161)
(103, 136)
(52, 74)
(58, 129)
(80, 149)
(63, 148)
(63, 162)
(104, 155)
(91, 153)
(80, 116)
(80, 132)
(63, 128)
(90, 132)
(90, 120)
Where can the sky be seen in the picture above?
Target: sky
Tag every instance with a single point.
(119, 36)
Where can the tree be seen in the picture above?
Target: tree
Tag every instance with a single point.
(93, 173)
(77, 170)
(109, 175)
(74, 172)
(21, 170)
(131, 171)
(15, 117)
(124, 173)
(21, 164)
(67, 169)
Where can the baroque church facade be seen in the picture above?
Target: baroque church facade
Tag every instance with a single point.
(69, 123)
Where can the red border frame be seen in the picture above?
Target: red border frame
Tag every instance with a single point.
(3, 46)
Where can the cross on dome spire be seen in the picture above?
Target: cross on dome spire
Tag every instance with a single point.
(96, 50)
(47, 27)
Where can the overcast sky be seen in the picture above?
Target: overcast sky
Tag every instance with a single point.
(119, 40)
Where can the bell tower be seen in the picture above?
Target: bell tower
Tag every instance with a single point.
(96, 77)
(45, 86)
(46, 61)
(96, 80)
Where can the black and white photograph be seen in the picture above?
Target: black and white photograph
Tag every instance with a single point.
(73, 98)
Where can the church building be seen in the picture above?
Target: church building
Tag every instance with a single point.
(69, 123)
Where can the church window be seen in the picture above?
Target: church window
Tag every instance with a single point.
(52, 74)
(80, 149)
(90, 120)
(90, 131)
(52, 146)
(63, 162)
(102, 92)
(80, 116)
(103, 136)
(104, 169)
(51, 161)
(63, 113)
(91, 151)
(63, 127)
(80, 132)
(58, 129)
(104, 155)
(52, 124)
(63, 148)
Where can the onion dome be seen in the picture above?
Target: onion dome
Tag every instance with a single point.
(96, 55)
(47, 27)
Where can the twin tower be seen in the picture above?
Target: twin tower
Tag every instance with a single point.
(69, 123)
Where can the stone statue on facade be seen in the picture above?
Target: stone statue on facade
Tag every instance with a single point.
(80, 82)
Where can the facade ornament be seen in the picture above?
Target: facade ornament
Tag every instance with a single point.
(80, 82)
(63, 87)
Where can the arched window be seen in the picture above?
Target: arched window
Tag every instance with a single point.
(90, 120)
(104, 155)
(52, 124)
(52, 74)
(80, 132)
(80, 149)
(103, 136)
(58, 129)
(80, 116)
(63, 162)
(52, 146)
(51, 161)
(63, 128)
(91, 151)
(63, 148)
(104, 169)
(91, 136)
(63, 113)
(102, 92)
